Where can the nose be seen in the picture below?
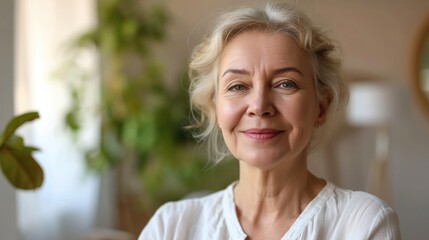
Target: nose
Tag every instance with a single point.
(260, 104)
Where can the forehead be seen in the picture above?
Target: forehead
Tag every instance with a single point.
(263, 49)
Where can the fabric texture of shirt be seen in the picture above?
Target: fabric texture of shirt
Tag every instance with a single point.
(334, 213)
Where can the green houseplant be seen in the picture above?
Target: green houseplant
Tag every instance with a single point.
(142, 117)
(16, 159)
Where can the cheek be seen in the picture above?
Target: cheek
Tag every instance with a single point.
(228, 114)
(302, 111)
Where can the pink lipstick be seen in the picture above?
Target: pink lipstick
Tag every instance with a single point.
(262, 133)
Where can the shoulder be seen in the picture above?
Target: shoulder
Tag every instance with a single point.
(192, 207)
(364, 214)
(360, 203)
(185, 218)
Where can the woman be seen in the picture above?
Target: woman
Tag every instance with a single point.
(264, 81)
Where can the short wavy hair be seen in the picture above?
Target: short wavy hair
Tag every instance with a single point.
(272, 17)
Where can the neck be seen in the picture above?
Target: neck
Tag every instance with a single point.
(280, 193)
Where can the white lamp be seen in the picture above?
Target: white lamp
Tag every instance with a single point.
(371, 105)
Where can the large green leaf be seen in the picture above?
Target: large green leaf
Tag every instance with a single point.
(15, 123)
(20, 168)
(16, 159)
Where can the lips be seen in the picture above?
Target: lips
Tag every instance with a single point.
(262, 133)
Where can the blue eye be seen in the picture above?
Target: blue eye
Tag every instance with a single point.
(287, 84)
(237, 88)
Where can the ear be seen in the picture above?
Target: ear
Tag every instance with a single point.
(324, 104)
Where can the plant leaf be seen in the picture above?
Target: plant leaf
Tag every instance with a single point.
(16, 160)
(15, 123)
(20, 168)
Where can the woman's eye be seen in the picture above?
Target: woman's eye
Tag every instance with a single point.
(287, 85)
(237, 88)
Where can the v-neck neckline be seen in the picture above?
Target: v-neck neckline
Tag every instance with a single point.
(237, 232)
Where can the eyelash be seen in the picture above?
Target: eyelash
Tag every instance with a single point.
(235, 86)
(291, 84)
(241, 87)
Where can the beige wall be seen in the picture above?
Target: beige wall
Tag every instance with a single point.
(376, 37)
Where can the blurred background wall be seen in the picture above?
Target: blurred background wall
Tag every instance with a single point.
(376, 37)
(8, 219)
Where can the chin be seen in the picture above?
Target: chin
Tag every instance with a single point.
(263, 161)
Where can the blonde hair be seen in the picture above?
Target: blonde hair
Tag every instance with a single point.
(279, 17)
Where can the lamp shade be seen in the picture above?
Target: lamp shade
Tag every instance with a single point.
(371, 104)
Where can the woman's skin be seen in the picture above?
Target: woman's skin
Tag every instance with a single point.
(267, 109)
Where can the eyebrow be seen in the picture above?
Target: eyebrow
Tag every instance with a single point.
(236, 71)
(288, 69)
(276, 72)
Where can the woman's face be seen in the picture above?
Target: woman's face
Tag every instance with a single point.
(266, 105)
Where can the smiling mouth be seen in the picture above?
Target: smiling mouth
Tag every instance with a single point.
(262, 134)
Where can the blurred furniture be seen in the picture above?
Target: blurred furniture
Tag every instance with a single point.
(371, 105)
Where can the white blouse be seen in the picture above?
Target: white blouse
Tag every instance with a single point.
(334, 213)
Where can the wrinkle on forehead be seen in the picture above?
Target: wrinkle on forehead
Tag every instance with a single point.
(250, 52)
